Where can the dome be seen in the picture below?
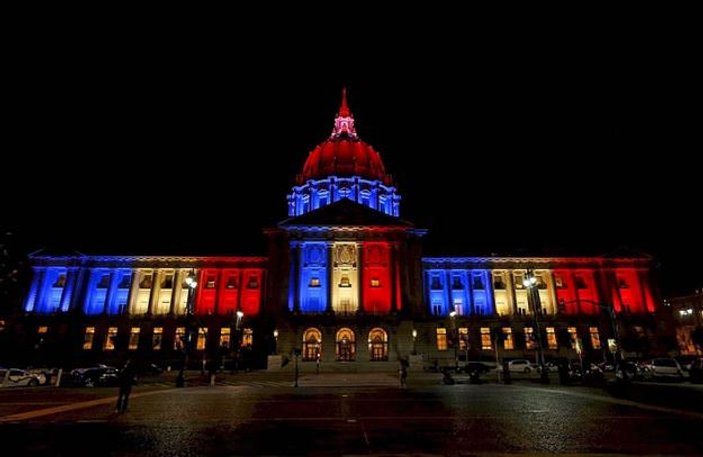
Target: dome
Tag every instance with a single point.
(344, 154)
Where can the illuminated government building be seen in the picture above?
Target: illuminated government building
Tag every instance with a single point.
(344, 279)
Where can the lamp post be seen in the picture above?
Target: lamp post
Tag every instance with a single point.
(275, 341)
(414, 340)
(530, 284)
(240, 337)
(191, 283)
(455, 341)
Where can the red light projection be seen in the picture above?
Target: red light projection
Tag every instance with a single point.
(630, 292)
(206, 292)
(251, 292)
(377, 277)
(229, 288)
(576, 291)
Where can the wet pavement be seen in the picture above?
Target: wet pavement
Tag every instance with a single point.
(329, 415)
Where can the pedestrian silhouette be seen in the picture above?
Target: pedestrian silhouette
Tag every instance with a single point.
(403, 371)
(126, 379)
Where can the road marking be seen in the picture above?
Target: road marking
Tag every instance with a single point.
(71, 407)
(618, 401)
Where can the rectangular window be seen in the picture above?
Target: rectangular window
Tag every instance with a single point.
(436, 309)
(344, 281)
(580, 282)
(104, 282)
(314, 282)
(145, 283)
(459, 306)
(463, 339)
(231, 282)
(572, 336)
(595, 338)
(253, 282)
(478, 283)
(530, 339)
(60, 281)
(247, 337)
(551, 338)
(133, 338)
(456, 283)
(518, 279)
(225, 337)
(110, 338)
(179, 341)
(441, 339)
(202, 338)
(435, 284)
(210, 282)
(486, 343)
(167, 282)
(156, 338)
(124, 282)
(498, 282)
(508, 343)
(375, 282)
(88, 338)
(43, 330)
(559, 282)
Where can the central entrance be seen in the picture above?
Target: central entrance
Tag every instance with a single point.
(378, 344)
(346, 345)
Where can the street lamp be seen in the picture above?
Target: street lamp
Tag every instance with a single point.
(455, 341)
(275, 341)
(191, 283)
(414, 339)
(530, 283)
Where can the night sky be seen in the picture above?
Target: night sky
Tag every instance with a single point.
(563, 149)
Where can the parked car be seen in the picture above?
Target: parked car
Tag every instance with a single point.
(661, 367)
(696, 371)
(14, 377)
(95, 376)
(474, 367)
(520, 366)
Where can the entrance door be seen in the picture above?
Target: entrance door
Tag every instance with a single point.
(378, 344)
(346, 345)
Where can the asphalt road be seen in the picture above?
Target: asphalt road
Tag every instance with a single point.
(351, 415)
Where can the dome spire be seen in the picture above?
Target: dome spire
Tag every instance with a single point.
(344, 122)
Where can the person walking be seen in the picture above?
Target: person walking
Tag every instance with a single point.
(125, 380)
(403, 371)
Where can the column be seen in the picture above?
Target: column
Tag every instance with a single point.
(552, 290)
(133, 291)
(68, 289)
(362, 278)
(296, 276)
(176, 292)
(154, 293)
(393, 255)
(218, 287)
(330, 276)
(447, 291)
(512, 299)
(111, 286)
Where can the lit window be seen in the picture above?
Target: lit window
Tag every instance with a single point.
(231, 282)
(88, 338)
(210, 282)
(559, 282)
(463, 339)
(375, 282)
(441, 339)
(459, 306)
(573, 336)
(179, 341)
(225, 337)
(314, 282)
(43, 330)
(437, 309)
(508, 343)
(344, 281)
(202, 338)
(133, 338)
(156, 338)
(110, 338)
(486, 343)
(551, 338)
(247, 337)
(530, 341)
(595, 338)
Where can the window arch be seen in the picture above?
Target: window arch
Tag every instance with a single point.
(312, 344)
(378, 344)
(346, 345)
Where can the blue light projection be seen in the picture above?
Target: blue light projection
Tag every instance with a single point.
(47, 290)
(465, 291)
(315, 194)
(313, 277)
(96, 295)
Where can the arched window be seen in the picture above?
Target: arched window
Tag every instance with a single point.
(378, 344)
(312, 344)
(346, 345)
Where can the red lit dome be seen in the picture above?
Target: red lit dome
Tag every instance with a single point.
(344, 154)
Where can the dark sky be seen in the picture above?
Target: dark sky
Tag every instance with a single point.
(564, 147)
